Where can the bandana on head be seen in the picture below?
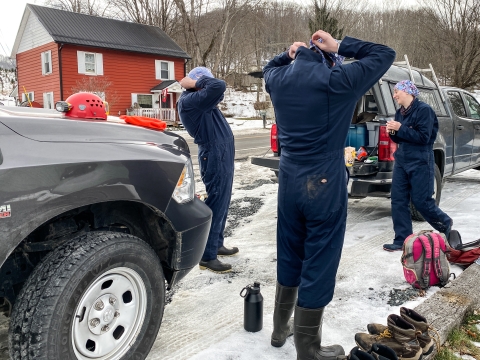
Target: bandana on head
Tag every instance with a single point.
(198, 72)
(407, 86)
(337, 59)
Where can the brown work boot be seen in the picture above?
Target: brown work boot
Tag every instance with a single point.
(399, 335)
(421, 327)
(418, 321)
(285, 300)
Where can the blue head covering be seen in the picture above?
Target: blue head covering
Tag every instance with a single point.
(337, 59)
(198, 72)
(407, 86)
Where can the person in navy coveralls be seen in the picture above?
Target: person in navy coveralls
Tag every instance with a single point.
(414, 130)
(198, 111)
(314, 97)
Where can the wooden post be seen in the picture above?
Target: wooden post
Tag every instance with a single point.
(446, 309)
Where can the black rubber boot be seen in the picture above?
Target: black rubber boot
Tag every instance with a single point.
(307, 335)
(358, 354)
(383, 352)
(223, 251)
(215, 265)
(285, 300)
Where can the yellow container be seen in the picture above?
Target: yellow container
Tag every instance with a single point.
(350, 154)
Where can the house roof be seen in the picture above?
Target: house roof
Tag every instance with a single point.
(79, 29)
(163, 85)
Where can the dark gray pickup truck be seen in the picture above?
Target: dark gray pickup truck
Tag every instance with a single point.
(456, 149)
(94, 217)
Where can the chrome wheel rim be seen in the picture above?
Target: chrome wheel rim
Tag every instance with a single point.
(109, 315)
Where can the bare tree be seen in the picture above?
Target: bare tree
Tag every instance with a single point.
(161, 13)
(234, 37)
(454, 26)
(88, 7)
(99, 86)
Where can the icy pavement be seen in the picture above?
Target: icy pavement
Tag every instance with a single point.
(205, 318)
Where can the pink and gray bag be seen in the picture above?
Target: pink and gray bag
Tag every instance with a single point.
(424, 260)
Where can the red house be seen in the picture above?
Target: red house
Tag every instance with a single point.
(59, 53)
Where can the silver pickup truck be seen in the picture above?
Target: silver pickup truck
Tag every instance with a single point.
(456, 149)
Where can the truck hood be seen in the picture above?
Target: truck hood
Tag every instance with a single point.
(88, 131)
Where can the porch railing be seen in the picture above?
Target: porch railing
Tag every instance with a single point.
(167, 115)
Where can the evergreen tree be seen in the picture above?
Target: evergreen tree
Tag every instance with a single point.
(323, 21)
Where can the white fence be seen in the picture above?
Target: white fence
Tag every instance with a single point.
(167, 115)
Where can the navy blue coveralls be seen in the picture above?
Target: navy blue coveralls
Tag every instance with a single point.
(314, 105)
(216, 152)
(414, 171)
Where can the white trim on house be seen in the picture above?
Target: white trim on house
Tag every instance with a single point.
(135, 100)
(31, 96)
(164, 70)
(46, 59)
(48, 102)
(89, 63)
(31, 34)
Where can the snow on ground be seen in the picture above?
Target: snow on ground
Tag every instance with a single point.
(6, 100)
(204, 320)
(238, 103)
(239, 126)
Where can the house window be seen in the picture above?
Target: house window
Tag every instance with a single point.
(31, 96)
(164, 70)
(143, 100)
(48, 100)
(46, 62)
(90, 63)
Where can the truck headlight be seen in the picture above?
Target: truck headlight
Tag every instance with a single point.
(185, 189)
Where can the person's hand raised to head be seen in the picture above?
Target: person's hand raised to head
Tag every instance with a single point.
(293, 48)
(325, 41)
(187, 83)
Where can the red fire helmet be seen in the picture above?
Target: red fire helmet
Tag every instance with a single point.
(85, 105)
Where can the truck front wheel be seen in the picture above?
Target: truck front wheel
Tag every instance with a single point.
(99, 296)
(437, 194)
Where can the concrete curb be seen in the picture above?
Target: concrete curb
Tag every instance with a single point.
(446, 309)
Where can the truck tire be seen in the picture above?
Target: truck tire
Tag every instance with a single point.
(437, 194)
(98, 296)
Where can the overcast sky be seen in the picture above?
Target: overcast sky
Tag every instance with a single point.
(11, 15)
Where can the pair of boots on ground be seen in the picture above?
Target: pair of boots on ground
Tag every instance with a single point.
(306, 327)
(407, 335)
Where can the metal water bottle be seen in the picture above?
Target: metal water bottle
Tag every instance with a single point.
(253, 307)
